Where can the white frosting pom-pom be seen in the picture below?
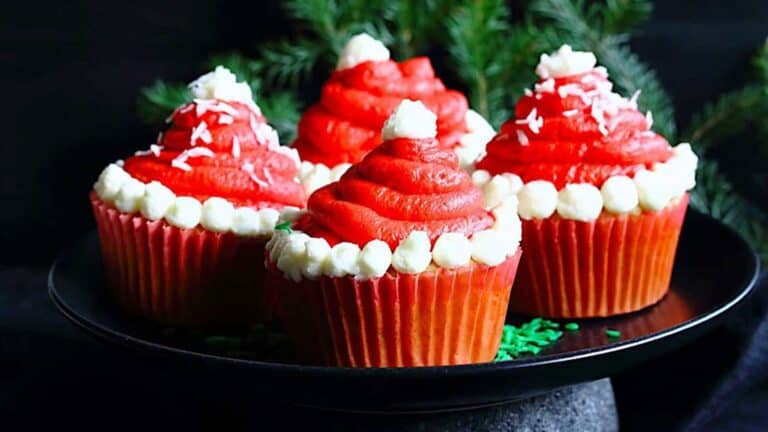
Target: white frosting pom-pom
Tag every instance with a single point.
(564, 62)
(221, 84)
(361, 48)
(411, 119)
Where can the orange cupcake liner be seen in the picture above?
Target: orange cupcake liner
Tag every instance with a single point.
(438, 317)
(182, 277)
(611, 266)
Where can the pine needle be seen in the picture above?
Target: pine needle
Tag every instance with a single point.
(159, 100)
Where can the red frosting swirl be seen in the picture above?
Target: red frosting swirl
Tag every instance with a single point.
(346, 124)
(235, 155)
(401, 186)
(588, 134)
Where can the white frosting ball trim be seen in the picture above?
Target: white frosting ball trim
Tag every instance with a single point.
(300, 256)
(650, 190)
(154, 201)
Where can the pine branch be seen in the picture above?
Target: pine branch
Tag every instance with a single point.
(590, 27)
(475, 32)
(319, 17)
(727, 116)
(159, 100)
(495, 59)
(288, 63)
(622, 16)
(760, 63)
(714, 195)
(283, 112)
(247, 70)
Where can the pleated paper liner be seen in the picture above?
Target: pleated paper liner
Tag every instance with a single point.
(182, 277)
(438, 317)
(614, 265)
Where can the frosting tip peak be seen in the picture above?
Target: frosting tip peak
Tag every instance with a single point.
(411, 119)
(564, 62)
(221, 84)
(361, 48)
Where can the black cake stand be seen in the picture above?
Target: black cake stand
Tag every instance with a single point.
(714, 270)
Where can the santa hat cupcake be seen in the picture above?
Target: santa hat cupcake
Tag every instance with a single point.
(398, 263)
(602, 196)
(182, 223)
(358, 98)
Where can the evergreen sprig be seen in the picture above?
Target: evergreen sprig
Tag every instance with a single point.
(495, 58)
(726, 116)
(714, 195)
(732, 116)
(159, 100)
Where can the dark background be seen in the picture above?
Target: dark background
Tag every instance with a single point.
(73, 71)
(71, 75)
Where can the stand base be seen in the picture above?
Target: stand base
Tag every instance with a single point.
(587, 407)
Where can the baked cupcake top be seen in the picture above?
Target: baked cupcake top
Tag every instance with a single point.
(219, 164)
(407, 205)
(579, 147)
(363, 92)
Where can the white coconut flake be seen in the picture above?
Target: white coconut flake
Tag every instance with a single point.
(154, 149)
(547, 86)
(265, 133)
(634, 98)
(649, 119)
(235, 147)
(200, 132)
(522, 138)
(180, 161)
(599, 115)
(570, 90)
(181, 165)
(221, 107)
(226, 119)
(533, 121)
(198, 152)
(527, 92)
(267, 175)
(249, 168)
(180, 110)
(570, 113)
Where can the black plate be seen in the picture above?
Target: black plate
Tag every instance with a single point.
(714, 270)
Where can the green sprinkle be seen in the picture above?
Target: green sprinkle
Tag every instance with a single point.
(572, 327)
(613, 334)
(284, 226)
(527, 339)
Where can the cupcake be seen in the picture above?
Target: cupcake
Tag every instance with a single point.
(398, 263)
(602, 196)
(359, 97)
(182, 223)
